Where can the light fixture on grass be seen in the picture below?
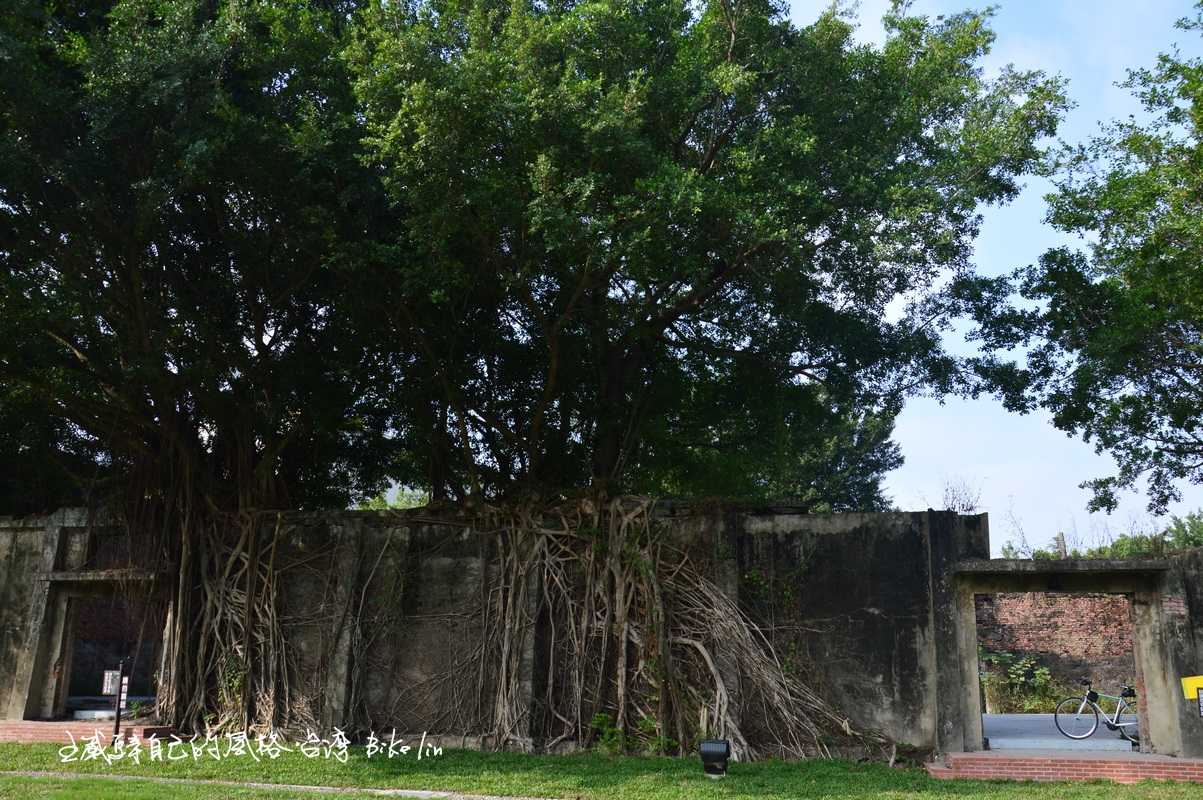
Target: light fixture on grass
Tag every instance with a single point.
(715, 754)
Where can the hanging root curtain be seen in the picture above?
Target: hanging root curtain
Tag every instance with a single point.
(640, 648)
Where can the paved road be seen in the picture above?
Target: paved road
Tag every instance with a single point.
(1039, 732)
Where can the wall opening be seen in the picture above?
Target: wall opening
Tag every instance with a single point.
(1035, 648)
(104, 629)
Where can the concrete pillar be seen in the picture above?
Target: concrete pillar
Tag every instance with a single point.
(33, 665)
(1182, 605)
(1160, 731)
(954, 629)
(973, 735)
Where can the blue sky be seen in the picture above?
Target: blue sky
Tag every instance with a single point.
(1027, 471)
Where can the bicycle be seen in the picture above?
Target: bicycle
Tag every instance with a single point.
(1078, 717)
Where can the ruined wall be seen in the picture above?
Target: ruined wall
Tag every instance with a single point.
(849, 596)
(379, 608)
(1074, 635)
(862, 592)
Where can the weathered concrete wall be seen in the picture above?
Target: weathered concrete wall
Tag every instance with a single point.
(396, 591)
(876, 609)
(379, 604)
(862, 587)
(1182, 602)
(375, 604)
(20, 561)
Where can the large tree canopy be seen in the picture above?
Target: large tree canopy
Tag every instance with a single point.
(655, 244)
(1115, 333)
(281, 251)
(268, 253)
(177, 184)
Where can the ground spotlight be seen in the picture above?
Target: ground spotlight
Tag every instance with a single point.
(715, 753)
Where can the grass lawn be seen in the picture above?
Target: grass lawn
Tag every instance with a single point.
(584, 777)
(20, 788)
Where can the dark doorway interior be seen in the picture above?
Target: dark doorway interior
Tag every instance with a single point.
(107, 628)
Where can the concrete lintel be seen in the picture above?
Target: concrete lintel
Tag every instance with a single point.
(102, 575)
(1100, 566)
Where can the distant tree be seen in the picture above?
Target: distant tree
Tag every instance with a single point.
(1116, 332)
(1182, 533)
(400, 499)
(1185, 532)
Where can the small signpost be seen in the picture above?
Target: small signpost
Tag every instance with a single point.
(112, 682)
(1199, 697)
(116, 683)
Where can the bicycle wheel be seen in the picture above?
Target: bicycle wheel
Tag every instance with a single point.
(1076, 718)
(1130, 732)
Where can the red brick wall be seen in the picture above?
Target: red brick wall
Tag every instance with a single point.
(1075, 635)
(999, 765)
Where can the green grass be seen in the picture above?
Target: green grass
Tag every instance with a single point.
(585, 776)
(110, 789)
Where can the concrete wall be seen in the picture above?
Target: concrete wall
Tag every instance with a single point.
(856, 588)
(20, 560)
(863, 587)
(1182, 628)
(375, 604)
(876, 608)
(854, 591)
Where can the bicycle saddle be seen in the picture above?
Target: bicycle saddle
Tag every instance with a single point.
(1127, 691)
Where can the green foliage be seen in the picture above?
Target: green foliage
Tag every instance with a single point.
(1182, 533)
(1186, 532)
(607, 738)
(1113, 334)
(652, 740)
(180, 196)
(647, 737)
(139, 708)
(1018, 684)
(48, 462)
(651, 246)
(289, 251)
(402, 498)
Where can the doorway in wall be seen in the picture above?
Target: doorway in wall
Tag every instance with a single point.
(104, 629)
(1035, 648)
